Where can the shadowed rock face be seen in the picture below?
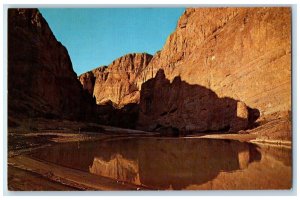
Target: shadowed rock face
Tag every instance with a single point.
(88, 81)
(190, 107)
(125, 117)
(116, 82)
(41, 80)
(241, 53)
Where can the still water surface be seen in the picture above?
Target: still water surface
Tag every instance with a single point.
(178, 163)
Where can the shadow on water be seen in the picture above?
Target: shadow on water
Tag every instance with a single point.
(155, 162)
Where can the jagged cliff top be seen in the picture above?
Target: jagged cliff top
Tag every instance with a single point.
(117, 63)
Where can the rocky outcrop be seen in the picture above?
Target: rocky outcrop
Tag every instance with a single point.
(116, 82)
(222, 69)
(242, 53)
(188, 108)
(41, 80)
(238, 53)
(88, 81)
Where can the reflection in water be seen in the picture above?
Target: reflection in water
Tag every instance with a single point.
(176, 163)
(117, 168)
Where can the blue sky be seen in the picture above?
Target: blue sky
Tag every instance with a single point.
(97, 36)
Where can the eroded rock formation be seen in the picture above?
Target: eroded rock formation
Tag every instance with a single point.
(239, 57)
(188, 108)
(240, 53)
(41, 80)
(116, 82)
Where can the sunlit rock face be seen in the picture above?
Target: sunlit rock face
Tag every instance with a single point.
(41, 80)
(240, 53)
(116, 82)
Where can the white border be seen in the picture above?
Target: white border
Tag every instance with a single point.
(148, 3)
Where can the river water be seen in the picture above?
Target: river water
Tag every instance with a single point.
(178, 163)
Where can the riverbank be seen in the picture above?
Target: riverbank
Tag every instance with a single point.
(26, 173)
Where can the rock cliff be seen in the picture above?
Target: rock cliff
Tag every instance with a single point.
(116, 82)
(241, 53)
(41, 80)
(188, 108)
(222, 69)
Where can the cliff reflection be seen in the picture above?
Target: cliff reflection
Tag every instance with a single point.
(156, 162)
(175, 164)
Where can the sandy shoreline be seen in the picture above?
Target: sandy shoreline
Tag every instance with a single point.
(25, 173)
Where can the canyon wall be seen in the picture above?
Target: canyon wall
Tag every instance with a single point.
(116, 83)
(41, 80)
(222, 69)
(241, 53)
(188, 108)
